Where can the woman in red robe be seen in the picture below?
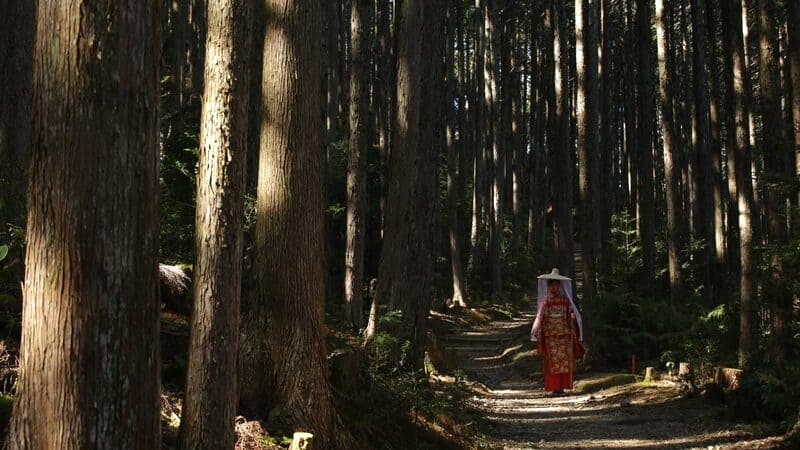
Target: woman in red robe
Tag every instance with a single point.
(558, 331)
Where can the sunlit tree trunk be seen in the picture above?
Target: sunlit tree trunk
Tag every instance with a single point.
(89, 367)
(671, 171)
(211, 397)
(282, 351)
(360, 37)
(739, 159)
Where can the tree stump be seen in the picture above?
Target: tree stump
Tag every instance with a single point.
(683, 369)
(727, 378)
(301, 441)
(649, 373)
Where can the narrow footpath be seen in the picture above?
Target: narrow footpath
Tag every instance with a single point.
(604, 410)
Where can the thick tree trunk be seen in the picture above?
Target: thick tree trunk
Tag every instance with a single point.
(89, 369)
(739, 159)
(776, 165)
(671, 157)
(360, 37)
(588, 142)
(211, 394)
(406, 267)
(284, 328)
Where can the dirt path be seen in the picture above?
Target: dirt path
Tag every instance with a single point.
(604, 411)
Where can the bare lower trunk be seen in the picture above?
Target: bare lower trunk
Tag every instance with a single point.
(739, 151)
(361, 24)
(89, 358)
(671, 157)
(283, 333)
(211, 393)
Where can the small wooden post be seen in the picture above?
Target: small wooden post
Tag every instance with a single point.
(648, 374)
(683, 369)
(633, 363)
(301, 441)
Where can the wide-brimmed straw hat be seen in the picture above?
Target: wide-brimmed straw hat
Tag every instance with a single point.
(554, 275)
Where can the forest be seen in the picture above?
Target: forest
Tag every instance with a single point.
(320, 224)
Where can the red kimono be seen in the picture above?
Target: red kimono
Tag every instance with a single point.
(558, 345)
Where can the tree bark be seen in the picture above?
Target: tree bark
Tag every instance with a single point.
(283, 334)
(588, 141)
(360, 36)
(89, 372)
(494, 109)
(459, 290)
(671, 157)
(210, 404)
(720, 197)
(406, 267)
(480, 162)
(561, 157)
(607, 142)
(646, 109)
(777, 173)
(701, 137)
(739, 159)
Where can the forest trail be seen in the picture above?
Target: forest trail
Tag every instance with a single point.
(604, 410)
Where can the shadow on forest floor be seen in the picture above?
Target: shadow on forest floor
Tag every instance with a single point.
(603, 411)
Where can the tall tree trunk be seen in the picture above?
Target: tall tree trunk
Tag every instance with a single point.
(671, 157)
(479, 165)
(607, 144)
(561, 158)
(360, 37)
(739, 156)
(211, 394)
(715, 143)
(453, 192)
(283, 331)
(588, 141)
(776, 165)
(701, 136)
(381, 88)
(646, 108)
(89, 366)
(629, 74)
(494, 106)
(404, 277)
